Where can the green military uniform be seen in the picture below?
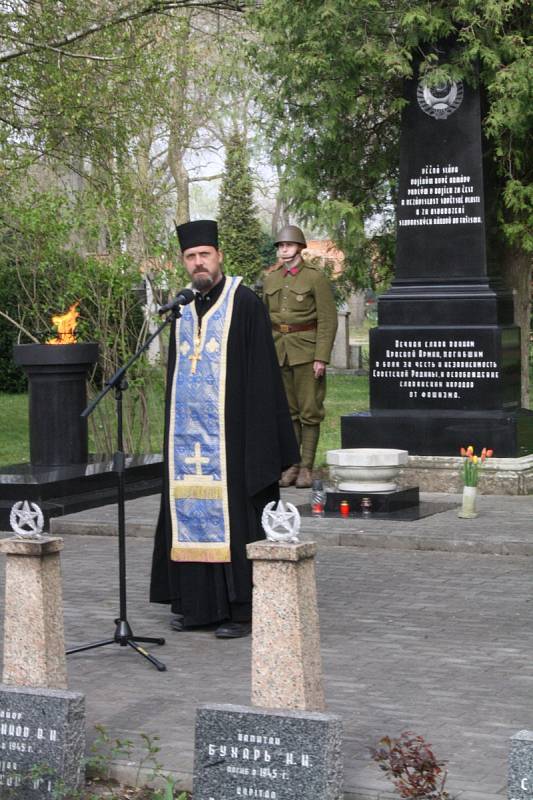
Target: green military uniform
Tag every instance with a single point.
(304, 322)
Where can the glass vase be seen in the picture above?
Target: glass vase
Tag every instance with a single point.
(468, 508)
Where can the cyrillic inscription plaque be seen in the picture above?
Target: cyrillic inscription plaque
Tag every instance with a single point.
(245, 752)
(42, 741)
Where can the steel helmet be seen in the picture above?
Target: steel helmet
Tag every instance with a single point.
(290, 233)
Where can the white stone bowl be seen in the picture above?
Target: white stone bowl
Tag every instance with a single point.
(366, 469)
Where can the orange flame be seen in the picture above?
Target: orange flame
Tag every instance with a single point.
(65, 325)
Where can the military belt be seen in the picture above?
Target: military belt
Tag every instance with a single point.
(285, 328)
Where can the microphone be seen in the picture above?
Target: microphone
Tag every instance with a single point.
(183, 298)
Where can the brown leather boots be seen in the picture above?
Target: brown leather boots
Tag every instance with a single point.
(298, 476)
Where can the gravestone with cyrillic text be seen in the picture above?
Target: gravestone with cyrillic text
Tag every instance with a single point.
(42, 742)
(444, 362)
(520, 769)
(243, 752)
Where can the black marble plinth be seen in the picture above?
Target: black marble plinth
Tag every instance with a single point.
(382, 502)
(446, 303)
(441, 433)
(410, 514)
(57, 377)
(458, 369)
(64, 490)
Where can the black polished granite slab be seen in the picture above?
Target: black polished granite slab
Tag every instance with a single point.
(385, 502)
(404, 515)
(434, 433)
(65, 490)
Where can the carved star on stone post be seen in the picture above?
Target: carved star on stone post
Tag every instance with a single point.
(26, 520)
(281, 524)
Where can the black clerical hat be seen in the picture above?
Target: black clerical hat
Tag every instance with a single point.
(197, 233)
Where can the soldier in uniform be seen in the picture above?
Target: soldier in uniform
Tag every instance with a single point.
(302, 311)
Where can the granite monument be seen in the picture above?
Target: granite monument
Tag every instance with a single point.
(445, 357)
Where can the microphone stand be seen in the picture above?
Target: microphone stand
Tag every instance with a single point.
(123, 635)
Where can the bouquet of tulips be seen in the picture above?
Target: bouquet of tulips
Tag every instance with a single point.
(472, 463)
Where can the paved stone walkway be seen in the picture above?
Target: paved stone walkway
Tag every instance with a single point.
(438, 642)
(504, 525)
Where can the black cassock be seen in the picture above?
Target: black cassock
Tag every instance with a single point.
(260, 443)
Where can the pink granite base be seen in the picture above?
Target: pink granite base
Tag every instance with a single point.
(34, 642)
(286, 660)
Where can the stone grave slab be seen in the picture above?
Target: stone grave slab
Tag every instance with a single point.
(520, 771)
(42, 742)
(244, 752)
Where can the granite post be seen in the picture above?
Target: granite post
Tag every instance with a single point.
(284, 746)
(34, 645)
(286, 660)
(340, 355)
(42, 725)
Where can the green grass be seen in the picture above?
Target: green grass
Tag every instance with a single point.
(14, 436)
(345, 393)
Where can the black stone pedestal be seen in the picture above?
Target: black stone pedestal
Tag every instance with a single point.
(57, 377)
(64, 490)
(62, 478)
(382, 502)
(433, 433)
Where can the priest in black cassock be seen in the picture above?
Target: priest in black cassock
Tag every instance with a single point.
(228, 437)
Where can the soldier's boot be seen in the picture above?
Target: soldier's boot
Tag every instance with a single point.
(310, 434)
(297, 425)
(289, 476)
(305, 478)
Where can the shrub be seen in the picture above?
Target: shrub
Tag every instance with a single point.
(412, 766)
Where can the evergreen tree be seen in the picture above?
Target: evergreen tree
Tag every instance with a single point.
(333, 77)
(240, 232)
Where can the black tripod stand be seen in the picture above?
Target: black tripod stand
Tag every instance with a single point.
(123, 635)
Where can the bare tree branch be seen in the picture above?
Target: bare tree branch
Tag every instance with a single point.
(125, 15)
(206, 178)
(20, 327)
(85, 56)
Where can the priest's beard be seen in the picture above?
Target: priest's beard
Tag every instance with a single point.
(202, 282)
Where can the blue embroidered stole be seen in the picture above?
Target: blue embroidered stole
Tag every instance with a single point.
(197, 447)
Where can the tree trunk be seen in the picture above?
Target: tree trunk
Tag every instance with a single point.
(517, 268)
(138, 245)
(181, 181)
(181, 127)
(181, 178)
(280, 218)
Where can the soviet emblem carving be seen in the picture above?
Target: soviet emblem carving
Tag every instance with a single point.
(440, 101)
(26, 519)
(281, 524)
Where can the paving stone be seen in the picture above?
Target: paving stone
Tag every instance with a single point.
(503, 526)
(434, 642)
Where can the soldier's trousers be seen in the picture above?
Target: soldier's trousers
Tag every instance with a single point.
(305, 393)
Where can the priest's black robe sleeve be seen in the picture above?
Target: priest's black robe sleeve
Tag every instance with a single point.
(270, 444)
